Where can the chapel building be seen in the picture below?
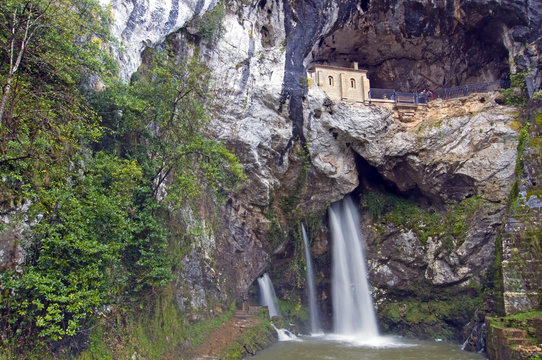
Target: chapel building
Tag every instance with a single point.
(341, 83)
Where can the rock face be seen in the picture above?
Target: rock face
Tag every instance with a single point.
(412, 45)
(456, 149)
(453, 152)
(521, 245)
(142, 23)
(301, 151)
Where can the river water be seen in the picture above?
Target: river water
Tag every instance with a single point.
(311, 348)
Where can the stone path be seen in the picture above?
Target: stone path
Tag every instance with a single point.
(225, 335)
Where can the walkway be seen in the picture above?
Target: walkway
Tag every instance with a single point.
(223, 337)
(409, 98)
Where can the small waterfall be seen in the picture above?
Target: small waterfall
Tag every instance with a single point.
(285, 335)
(475, 341)
(313, 308)
(353, 312)
(269, 298)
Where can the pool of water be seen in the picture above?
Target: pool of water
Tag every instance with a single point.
(384, 348)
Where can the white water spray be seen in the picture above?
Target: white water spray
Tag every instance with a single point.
(353, 312)
(269, 298)
(313, 308)
(285, 335)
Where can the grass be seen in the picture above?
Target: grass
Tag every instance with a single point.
(525, 316)
(293, 312)
(517, 321)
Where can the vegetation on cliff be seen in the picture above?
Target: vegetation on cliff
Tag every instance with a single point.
(85, 172)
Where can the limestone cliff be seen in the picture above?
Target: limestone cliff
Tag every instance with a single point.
(302, 151)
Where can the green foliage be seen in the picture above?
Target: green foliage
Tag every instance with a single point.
(98, 235)
(498, 281)
(538, 120)
(46, 118)
(429, 318)
(160, 120)
(403, 213)
(92, 244)
(517, 321)
(523, 139)
(517, 93)
(293, 312)
(525, 315)
(209, 26)
(157, 330)
(93, 165)
(451, 226)
(275, 234)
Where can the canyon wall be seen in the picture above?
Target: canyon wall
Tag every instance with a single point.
(301, 151)
(433, 191)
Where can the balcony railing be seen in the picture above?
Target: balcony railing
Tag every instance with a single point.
(425, 97)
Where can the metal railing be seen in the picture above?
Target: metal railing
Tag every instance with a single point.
(425, 97)
(407, 98)
(464, 90)
(382, 94)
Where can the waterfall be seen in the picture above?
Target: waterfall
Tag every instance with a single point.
(269, 298)
(313, 308)
(353, 312)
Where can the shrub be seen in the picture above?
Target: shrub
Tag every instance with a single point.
(517, 93)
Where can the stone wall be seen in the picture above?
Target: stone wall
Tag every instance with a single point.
(514, 338)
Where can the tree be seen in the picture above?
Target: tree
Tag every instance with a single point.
(94, 244)
(92, 163)
(161, 119)
(48, 49)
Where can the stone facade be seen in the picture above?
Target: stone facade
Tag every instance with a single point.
(341, 83)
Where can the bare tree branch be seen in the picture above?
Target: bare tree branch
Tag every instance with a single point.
(30, 27)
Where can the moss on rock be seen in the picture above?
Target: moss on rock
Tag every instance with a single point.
(436, 318)
(254, 340)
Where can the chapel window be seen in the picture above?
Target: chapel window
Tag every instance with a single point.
(331, 81)
(353, 83)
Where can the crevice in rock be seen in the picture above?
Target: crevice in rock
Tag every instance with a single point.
(364, 5)
(304, 22)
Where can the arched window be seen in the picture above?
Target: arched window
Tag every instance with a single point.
(353, 83)
(331, 81)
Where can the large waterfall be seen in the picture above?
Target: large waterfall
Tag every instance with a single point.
(269, 298)
(313, 308)
(353, 312)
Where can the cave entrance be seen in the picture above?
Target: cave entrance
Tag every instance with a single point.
(413, 47)
(370, 180)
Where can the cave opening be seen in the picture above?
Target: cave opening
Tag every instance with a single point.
(370, 179)
(420, 47)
